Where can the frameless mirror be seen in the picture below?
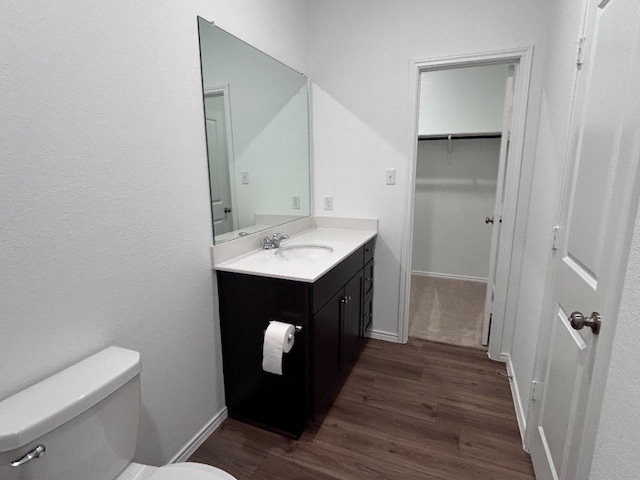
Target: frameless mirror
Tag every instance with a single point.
(257, 124)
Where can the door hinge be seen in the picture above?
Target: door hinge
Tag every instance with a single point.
(580, 51)
(536, 390)
(556, 237)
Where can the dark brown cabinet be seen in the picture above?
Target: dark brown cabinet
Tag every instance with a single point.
(332, 314)
(352, 319)
(325, 345)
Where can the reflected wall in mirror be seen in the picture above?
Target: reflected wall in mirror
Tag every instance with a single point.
(256, 113)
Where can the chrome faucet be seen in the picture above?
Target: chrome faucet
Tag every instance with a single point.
(273, 241)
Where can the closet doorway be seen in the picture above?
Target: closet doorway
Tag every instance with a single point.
(464, 194)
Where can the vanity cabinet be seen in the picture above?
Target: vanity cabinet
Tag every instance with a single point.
(337, 335)
(332, 315)
(325, 348)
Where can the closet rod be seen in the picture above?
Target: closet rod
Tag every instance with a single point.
(463, 136)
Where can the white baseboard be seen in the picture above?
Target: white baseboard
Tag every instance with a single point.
(515, 394)
(200, 437)
(386, 336)
(449, 276)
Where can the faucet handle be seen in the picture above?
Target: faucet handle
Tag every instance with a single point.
(277, 238)
(273, 241)
(267, 242)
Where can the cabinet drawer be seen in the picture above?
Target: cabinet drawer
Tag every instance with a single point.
(368, 314)
(369, 250)
(368, 278)
(327, 285)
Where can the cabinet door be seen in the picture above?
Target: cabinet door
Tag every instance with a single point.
(326, 348)
(352, 322)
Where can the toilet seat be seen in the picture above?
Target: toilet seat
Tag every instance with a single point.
(190, 471)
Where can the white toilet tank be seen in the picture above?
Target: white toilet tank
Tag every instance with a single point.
(85, 416)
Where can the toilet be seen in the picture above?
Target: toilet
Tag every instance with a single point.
(82, 424)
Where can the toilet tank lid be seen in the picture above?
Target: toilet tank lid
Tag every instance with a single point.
(38, 409)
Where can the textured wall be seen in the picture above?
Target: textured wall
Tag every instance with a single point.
(616, 452)
(454, 193)
(360, 54)
(104, 201)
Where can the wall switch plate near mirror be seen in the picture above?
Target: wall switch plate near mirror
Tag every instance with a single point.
(256, 112)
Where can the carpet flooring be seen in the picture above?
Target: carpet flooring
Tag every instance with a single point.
(447, 311)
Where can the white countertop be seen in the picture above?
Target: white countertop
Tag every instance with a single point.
(268, 263)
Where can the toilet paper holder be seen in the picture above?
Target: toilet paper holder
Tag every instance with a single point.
(298, 328)
(291, 335)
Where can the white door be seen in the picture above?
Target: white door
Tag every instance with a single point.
(218, 153)
(498, 209)
(590, 253)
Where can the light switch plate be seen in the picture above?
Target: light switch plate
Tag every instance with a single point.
(244, 177)
(390, 176)
(295, 202)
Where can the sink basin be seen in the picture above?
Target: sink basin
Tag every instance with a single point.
(304, 251)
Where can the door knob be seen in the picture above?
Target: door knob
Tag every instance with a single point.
(488, 220)
(578, 321)
(227, 210)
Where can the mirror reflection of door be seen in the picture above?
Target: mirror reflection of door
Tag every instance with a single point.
(218, 150)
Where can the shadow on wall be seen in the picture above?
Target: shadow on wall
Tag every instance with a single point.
(470, 164)
(347, 167)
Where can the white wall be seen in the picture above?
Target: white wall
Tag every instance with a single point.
(616, 452)
(462, 100)
(104, 202)
(360, 53)
(453, 195)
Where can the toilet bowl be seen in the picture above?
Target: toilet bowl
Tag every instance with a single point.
(82, 424)
(190, 471)
(175, 471)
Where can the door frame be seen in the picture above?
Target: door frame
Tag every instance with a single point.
(506, 294)
(224, 91)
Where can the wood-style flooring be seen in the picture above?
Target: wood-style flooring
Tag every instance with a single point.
(417, 411)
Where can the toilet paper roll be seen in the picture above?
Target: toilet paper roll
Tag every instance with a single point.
(278, 340)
